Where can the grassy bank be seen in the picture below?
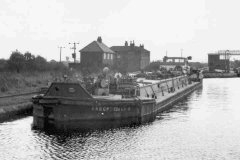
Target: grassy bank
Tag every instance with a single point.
(16, 83)
(31, 81)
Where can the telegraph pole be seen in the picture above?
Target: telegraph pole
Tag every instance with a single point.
(61, 53)
(74, 51)
(181, 52)
(226, 60)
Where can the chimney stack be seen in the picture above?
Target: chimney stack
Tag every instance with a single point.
(132, 44)
(126, 43)
(99, 39)
(142, 46)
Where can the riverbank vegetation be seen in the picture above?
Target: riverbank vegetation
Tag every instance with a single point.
(23, 73)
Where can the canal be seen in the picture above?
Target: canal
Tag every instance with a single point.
(205, 125)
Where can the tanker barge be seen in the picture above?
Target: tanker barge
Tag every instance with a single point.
(122, 102)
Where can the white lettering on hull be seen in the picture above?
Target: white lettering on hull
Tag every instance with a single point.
(108, 109)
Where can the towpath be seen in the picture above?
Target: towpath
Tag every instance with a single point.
(15, 100)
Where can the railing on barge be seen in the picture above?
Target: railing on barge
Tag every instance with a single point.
(150, 88)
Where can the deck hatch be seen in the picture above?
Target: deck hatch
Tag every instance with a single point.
(67, 89)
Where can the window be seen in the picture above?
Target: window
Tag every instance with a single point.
(222, 57)
(111, 56)
(108, 57)
(104, 55)
(181, 60)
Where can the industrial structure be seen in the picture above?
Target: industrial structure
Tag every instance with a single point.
(220, 60)
(170, 63)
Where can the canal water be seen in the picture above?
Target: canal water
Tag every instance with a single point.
(205, 125)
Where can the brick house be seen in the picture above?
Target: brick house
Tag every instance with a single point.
(97, 53)
(130, 57)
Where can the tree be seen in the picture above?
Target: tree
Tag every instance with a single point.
(16, 61)
(29, 61)
(40, 63)
(28, 56)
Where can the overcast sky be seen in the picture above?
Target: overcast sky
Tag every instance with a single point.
(196, 26)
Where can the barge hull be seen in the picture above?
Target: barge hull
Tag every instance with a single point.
(87, 111)
(89, 114)
(164, 103)
(59, 111)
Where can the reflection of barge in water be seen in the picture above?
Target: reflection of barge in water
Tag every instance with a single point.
(129, 103)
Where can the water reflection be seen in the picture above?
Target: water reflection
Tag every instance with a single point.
(205, 125)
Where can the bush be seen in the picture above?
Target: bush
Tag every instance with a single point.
(3, 64)
(28, 62)
(56, 66)
(40, 63)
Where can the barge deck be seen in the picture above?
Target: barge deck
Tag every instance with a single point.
(150, 98)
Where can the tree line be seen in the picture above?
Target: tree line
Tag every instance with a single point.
(28, 62)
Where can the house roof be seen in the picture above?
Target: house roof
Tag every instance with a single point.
(96, 46)
(212, 54)
(126, 48)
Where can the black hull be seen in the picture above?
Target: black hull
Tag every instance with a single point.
(77, 114)
(80, 125)
(91, 114)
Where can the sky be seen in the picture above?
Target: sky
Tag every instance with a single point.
(197, 27)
